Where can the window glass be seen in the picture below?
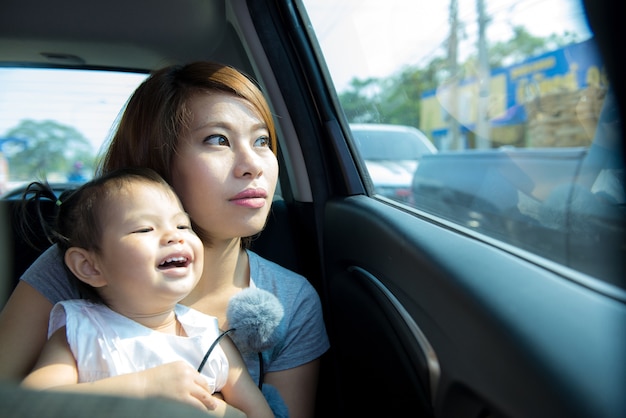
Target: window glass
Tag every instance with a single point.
(53, 122)
(515, 104)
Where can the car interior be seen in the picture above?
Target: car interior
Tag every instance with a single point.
(425, 318)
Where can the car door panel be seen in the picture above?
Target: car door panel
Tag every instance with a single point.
(502, 329)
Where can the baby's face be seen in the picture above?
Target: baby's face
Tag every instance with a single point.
(150, 257)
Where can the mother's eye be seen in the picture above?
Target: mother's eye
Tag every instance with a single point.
(263, 141)
(217, 140)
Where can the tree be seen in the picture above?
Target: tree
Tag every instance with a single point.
(45, 148)
(395, 99)
(359, 102)
(403, 92)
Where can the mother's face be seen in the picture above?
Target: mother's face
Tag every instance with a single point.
(224, 171)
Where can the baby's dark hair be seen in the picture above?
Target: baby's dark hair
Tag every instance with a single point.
(78, 216)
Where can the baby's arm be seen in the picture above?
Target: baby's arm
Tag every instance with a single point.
(57, 370)
(240, 390)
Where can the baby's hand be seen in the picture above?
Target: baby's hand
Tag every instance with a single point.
(181, 382)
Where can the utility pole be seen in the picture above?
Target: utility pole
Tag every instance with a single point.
(483, 76)
(453, 97)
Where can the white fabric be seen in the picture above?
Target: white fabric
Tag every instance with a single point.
(106, 343)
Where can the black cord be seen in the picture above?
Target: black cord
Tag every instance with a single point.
(208, 353)
(217, 340)
(261, 372)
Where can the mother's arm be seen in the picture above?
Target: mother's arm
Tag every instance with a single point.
(23, 331)
(297, 387)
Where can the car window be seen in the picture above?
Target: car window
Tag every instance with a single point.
(53, 123)
(514, 99)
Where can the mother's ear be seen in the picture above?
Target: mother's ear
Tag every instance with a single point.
(83, 264)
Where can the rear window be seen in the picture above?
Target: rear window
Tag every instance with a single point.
(53, 122)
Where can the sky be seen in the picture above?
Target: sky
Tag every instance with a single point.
(362, 45)
(356, 46)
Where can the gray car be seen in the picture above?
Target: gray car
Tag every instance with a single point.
(391, 154)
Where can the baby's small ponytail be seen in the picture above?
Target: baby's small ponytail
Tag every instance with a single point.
(37, 214)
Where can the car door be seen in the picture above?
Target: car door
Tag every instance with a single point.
(427, 316)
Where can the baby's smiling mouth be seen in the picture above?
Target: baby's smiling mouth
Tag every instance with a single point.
(174, 262)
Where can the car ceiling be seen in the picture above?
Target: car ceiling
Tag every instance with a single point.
(137, 34)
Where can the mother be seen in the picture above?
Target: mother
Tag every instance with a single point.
(207, 129)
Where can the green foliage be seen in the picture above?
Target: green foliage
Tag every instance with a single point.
(394, 100)
(359, 102)
(46, 149)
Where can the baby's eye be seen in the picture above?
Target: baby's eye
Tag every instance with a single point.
(142, 230)
(263, 141)
(184, 227)
(216, 140)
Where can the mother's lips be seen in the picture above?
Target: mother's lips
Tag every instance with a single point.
(250, 194)
(250, 198)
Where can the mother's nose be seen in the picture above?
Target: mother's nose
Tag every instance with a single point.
(248, 163)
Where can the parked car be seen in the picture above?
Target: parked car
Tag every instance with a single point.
(432, 310)
(391, 154)
(536, 199)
